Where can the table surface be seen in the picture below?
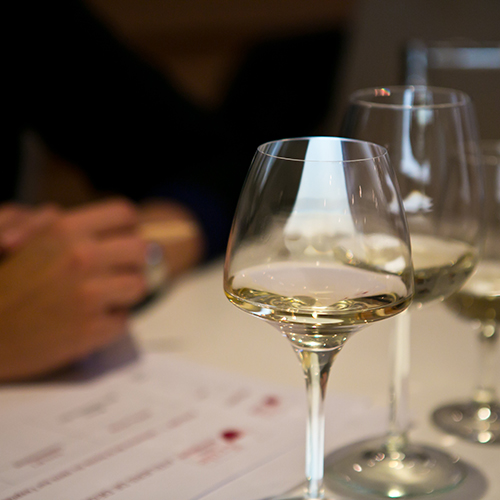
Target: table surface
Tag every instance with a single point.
(194, 320)
(205, 327)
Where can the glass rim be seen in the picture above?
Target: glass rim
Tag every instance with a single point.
(356, 97)
(382, 152)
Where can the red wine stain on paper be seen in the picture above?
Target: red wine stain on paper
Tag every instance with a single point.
(271, 401)
(231, 435)
(268, 406)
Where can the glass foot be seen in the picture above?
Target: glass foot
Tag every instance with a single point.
(300, 493)
(369, 467)
(476, 422)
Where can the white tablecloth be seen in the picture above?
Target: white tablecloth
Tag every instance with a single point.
(197, 320)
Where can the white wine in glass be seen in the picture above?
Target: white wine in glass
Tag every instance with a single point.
(478, 420)
(430, 134)
(319, 248)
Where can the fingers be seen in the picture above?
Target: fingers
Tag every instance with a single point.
(112, 301)
(19, 223)
(111, 255)
(115, 292)
(111, 272)
(123, 253)
(101, 219)
(107, 328)
(101, 331)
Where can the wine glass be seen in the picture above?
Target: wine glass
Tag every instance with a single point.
(319, 248)
(478, 419)
(431, 136)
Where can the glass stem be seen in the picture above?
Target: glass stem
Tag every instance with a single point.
(316, 366)
(399, 387)
(485, 392)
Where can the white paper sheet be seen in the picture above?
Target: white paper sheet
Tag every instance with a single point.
(160, 428)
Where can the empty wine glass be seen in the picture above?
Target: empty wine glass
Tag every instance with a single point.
(478, 419)
(319, 248)
(430, 134)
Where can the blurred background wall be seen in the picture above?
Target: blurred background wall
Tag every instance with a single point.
(382, 29)
(286, 67)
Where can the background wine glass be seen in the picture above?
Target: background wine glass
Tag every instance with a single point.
(478, 419)
(319, 248)
(431, 137)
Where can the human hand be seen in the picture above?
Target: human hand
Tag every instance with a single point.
(68, 288)
(18, 223)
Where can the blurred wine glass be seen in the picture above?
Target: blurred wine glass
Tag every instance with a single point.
(478, 419)
(431, 137)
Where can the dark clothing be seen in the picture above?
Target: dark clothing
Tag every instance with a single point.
(100, 107)
(103, 109)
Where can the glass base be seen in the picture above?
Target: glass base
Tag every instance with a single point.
(476, 422)
(368, 467)
(300, 493)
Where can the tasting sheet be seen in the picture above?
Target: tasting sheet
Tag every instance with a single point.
(161, 427)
